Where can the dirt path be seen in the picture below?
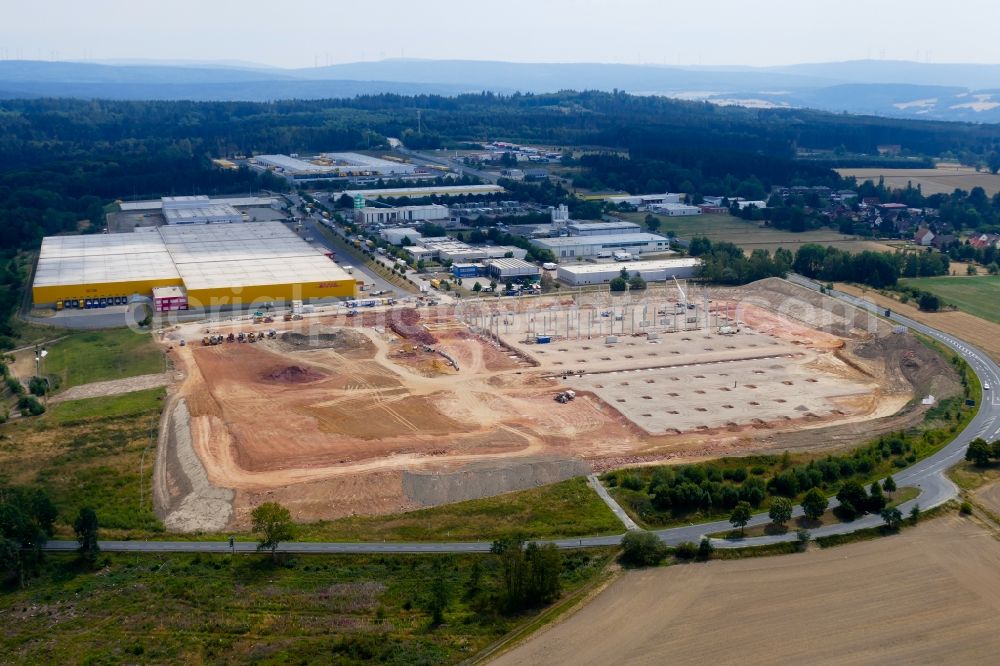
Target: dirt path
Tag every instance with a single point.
(113, 387)
(928, 595)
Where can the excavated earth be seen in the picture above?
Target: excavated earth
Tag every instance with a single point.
(337, 416)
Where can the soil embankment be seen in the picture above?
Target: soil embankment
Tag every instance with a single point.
(184, 498)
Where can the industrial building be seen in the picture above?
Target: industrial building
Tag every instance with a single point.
(211, 264)
(650, 271)
(448, 249)
(402, 214)
(601, 228)
(674, 209)
(198, 210)
(397, 235)
(236, 202)
(640, 200)
(331, 165)
(415, 192)
(602, 246)
(502, 270)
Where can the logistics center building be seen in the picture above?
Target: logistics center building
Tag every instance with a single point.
(214, 265)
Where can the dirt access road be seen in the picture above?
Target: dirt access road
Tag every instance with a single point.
(928, 595)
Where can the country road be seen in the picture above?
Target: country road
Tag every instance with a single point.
(928, 476)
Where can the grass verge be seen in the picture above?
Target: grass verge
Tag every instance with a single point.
(566, 509)
(95, 356)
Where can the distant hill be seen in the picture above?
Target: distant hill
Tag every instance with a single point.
(886, 88)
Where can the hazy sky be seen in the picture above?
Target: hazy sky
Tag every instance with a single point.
(303, 33)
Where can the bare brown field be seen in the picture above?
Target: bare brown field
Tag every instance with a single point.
(942, 180)
(979, 332)
(928, 595)
(335, 416)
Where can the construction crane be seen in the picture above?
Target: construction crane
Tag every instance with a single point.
(680, 290)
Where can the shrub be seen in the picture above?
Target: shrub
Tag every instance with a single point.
(631, 482)
(705, 550)
(686, 551)
(642, 549)
(30, 406)
(965, 509)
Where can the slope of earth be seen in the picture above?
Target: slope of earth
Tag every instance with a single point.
(928, 595)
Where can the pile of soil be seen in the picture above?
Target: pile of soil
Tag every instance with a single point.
(406, 324)
(292, 374)
(921, 367)
(344, 341)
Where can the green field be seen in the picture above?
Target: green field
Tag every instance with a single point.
(207, 609)
(751, 235)
(96, 356)
(565, 509)
(979, 295)
(89, 452)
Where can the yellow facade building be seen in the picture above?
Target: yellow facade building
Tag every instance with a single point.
(219, 265)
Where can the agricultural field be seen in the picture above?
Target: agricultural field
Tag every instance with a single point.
(753, 235)
(974, 330)
(343, 609)
(944, 179)
(928, 594)
(978, 295)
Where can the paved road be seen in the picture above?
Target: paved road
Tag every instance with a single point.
(928, 475)
(455, 165)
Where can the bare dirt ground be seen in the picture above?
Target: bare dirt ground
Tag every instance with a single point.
(989, 497)
(113, 387)
(928, 595)
(327, 416)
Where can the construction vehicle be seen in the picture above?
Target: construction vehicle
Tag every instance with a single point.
(272, 334)
(251, 337)
(565, 396)
(288, 316)
(258, 320)
(242, 337)
(268, 320)
(231, 337)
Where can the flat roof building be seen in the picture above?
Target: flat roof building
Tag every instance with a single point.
(331, 165)
(601, 228)
(674, 209)
(215, 264)
(241, 202)
(651, 271)
(381, 215)
(644, 199)
(511, 269)
(597, 246)
(397, 235)
(441, 190)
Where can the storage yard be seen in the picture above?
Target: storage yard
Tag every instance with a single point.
(335, 414)
(216, 265)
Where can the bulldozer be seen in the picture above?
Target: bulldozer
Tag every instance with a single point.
(231, 337)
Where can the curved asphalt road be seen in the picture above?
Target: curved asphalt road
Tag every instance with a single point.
(928, 475)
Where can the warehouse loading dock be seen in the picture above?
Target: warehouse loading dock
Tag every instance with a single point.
(231, 265)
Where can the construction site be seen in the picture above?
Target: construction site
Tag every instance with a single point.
(401, 408)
